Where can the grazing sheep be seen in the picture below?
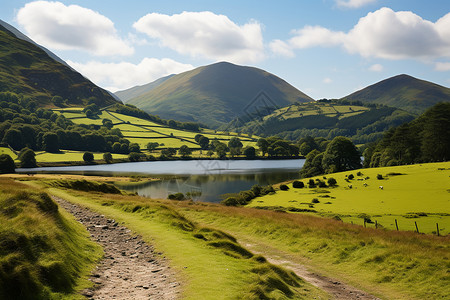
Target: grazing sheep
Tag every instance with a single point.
(380, 187)
(365, 184)
(350, 186)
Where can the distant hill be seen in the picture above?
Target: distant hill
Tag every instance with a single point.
(136, 91)
(27, 69)
(216, 94)
(403, 91)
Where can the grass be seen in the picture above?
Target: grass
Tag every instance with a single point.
(44, 252)
(421, 194)
(210, 262)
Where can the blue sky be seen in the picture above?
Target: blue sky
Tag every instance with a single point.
(326, 48)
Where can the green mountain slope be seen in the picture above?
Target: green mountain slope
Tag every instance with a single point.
(325, 118)
(217, 93)
(403, 91)
(136, 91)
(27, 69)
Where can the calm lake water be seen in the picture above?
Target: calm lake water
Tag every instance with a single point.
(208, 179)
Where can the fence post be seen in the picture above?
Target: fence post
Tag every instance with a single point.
(437, 229)
(417, 228)
(396, 225)
(376, 224)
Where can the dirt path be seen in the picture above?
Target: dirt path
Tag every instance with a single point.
(336, 288)
(130, 269)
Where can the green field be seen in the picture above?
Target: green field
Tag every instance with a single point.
(315, 109)
(142, 131)
(414, 193)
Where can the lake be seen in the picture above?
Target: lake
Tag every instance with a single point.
(206, 179)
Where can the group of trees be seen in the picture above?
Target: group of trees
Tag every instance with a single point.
(340, 155)
(426, 139)
(274, 146)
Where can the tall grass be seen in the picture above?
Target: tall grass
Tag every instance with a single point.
(44, 254)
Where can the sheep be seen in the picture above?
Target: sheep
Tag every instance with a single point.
(380, 187)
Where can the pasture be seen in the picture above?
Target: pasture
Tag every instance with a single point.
(408, 194)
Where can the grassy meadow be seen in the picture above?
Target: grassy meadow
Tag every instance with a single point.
(200, 237)
(412, 193)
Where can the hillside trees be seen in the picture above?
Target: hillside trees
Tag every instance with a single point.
(426, 139)
(341, 155)
(6, 164)
(27, 158)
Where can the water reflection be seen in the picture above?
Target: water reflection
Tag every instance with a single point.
(208, 188)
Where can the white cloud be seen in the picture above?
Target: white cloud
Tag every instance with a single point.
(384, 34)
(353, 3)
(281, 48)
(123, 75)
(442, 66)
(57, 26)
(376, 68)
(205, 35)
(327, 80)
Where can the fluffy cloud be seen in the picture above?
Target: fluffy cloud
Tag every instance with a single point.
(353, 3)
(327, 80)
(383, 33)
(376, 68)
(206, 35)
(57, 26)
(119, 76)
(442, 66)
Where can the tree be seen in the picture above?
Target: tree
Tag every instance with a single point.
(341, 155)
(6, 164)
(152, 146)
(88, 157)
(58, 101)
(250, 152)
(107, 157)
(13, 137)
(221, 150)
(203, 141)
(134, 147)
(235, 142)
(184, 151)
(116, 147)
(134, 156)
(263, 144)
(313, 164)
(27, 158)
(107, 123)
(50, 142)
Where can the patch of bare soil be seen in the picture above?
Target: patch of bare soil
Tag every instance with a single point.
(336, 288)
(130, 269)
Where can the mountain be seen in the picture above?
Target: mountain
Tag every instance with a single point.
(27, 69)
(403, 91)
(136, 91)
(218, 93)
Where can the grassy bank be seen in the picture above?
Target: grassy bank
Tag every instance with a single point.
(44, 253)
(210, 263)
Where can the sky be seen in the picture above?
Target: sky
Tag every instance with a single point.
(325, 48)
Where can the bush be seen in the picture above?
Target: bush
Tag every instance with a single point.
(351, 176)
(322, 184)
(331, 181)
(267, 190)
(134, 156)
(311, 183)
(231, 201)
(298, 184)
(107, 157)
(284, 187)
(7, 164)
(88, 157)
(379, 176)
(176, 196)
(315, 200)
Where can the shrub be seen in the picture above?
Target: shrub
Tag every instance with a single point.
(315, 200)
(107, 157)
(298, 184)
(351, 176)
(6, 164)
(267, 190)
(284, 187)
(311, 183)
(331, 181)
(176, 196)
(379, 176)
(231, 201)
(359, 173)
(322, 184)
(88, 157)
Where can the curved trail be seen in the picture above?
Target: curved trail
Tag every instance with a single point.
(129, 269)
(337, 289)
